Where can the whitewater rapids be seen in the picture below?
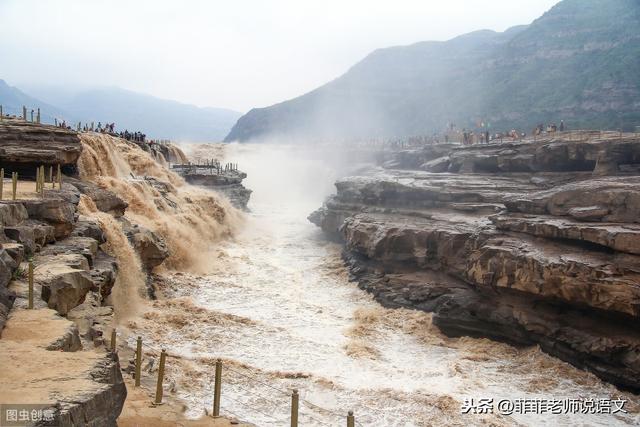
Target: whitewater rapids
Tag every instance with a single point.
(276, 305)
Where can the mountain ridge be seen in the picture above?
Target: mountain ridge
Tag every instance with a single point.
(157, 117)
(569, 64)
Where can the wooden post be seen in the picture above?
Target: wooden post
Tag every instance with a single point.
(351, 421)
(42, 180)
(217, 388)
(294, 408)
(113, 340)
(159, 390)
(14, 179)
(30, 284)
(138, 361)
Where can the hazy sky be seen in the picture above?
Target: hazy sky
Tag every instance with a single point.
(236, 54)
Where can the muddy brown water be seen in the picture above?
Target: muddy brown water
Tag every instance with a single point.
(276, 305)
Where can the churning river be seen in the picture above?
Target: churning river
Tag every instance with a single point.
(276, 305)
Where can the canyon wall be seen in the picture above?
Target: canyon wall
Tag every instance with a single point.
(95, 244)
(530, 242)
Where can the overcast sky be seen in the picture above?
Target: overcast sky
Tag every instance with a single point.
(237, 54)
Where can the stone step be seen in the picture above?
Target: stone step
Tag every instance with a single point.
(471, 249)
(617, 236)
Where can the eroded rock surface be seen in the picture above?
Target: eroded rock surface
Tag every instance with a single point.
(25, 143)
(226, 182)
(43, 363)
(533, 242)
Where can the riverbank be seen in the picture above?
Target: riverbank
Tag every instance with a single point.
(279, 309)
(95, 243)
(530, 242)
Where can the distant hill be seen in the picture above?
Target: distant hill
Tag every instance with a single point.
(578, 62)
(12, 99)
(158, 118)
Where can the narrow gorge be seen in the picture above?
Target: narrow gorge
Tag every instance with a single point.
(481, 272)
(529, 243)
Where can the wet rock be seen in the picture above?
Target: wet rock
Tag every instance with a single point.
(104, 273)
(92, 319)
(150, 247)
(87, 227)
(608, 347)
(468, 248)
(228, 183)
(105, 200)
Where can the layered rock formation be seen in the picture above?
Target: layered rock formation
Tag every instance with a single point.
(26, 145)
(534, 242)
(77, 387)
(226, 182)
(82, 245)
(68, 369)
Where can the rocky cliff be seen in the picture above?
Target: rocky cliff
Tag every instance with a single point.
(47, 359)
(55, 355)
(534, 242)
(26, 145)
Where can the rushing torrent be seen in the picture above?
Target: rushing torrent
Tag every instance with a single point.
(188, 218)
(276, 305)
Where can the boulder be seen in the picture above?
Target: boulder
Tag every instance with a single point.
(12, 213)
(65, 281)
(57, 212)
(32, 234)
(85, 246)
(88, 227)
(105, 200)
(151, 248)
(103, 274)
